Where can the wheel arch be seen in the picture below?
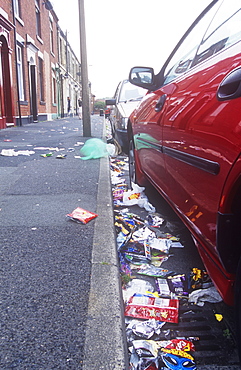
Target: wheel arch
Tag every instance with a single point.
(229, 220)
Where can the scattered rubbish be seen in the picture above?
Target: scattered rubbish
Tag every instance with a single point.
(61, 156)
(13, 153)
(96, 148)
(152, 294)
(218, 317)
(81, 215)
(46, 155)
(51, 149)
(200, 296)
(150, 307)
(136, 196)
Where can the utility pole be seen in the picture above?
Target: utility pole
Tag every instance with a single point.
(84, 73)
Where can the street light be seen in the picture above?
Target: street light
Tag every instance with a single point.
(84, 73)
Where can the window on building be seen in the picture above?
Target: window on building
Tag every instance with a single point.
(54, 90)
(61, 50)
(38, 19)
(16, 5)
(20, 73)
(51, 36)
(41, 79)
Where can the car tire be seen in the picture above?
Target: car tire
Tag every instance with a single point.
(238, 308)
(132, 165)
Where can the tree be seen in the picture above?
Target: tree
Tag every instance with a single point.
(99, 105)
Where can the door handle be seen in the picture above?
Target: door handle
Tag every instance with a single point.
(230, 87)
(160, 103)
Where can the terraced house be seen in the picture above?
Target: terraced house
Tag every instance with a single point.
(38, 67)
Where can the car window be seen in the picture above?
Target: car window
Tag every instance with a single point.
(130, 92)
(223, 32)
(117, 91)
(183, 57)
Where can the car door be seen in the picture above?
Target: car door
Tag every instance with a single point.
(201, 125)
(150, 116)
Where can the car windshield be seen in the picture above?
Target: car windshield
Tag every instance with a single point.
(130, 92)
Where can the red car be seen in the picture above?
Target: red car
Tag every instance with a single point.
(185, 138)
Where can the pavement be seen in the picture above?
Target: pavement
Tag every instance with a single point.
(60, 302)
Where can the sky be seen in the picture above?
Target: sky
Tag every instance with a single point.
(125, 33)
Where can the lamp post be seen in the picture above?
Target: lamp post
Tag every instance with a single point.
(84, 73)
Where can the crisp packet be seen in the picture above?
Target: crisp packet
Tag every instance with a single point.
(148, 307)
(81, 215)
(180, 344)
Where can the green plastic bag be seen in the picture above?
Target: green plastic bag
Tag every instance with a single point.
(93, 149)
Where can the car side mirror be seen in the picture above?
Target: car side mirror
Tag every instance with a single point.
(110, 102)
(143, 77)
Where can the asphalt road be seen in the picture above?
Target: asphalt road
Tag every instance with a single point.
(45, 259)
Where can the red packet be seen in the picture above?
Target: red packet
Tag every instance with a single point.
(147, 307)
(81, 215)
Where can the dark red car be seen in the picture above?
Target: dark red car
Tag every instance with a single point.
(185, 138)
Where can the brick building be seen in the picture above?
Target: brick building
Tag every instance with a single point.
(38, 68)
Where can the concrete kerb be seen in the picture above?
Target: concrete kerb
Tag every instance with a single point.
(105, 343)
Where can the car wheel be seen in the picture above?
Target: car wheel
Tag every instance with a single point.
(238, 307)
(132, 167)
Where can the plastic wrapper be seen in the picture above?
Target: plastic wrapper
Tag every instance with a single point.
(199, 279)
(136, 196)
(155, 220)
(143, 363)
(145, 348)
(179, 344)
(81, 215)
(94, 148)
(200, 296)
(162, 245)
(143, 234)
(178, 285)
(148, 307)
(158, 260)
(176, 359)
(146, 329)
(124, 266)
(150, 270)
(136, 286)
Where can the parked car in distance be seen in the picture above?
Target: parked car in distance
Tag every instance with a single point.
(185, 138)
(125, 100)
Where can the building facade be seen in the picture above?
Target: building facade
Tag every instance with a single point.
(38, 68)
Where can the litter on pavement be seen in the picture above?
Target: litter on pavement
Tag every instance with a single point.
(80, 215)
(96, 148)
(152, 294)
(13, 153)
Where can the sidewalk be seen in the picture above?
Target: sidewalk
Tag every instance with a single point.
(48, 322)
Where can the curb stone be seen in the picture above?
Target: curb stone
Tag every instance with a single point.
(105, 343)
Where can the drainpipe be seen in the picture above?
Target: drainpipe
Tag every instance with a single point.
(16, 66)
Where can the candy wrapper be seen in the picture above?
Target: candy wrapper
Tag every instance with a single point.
(150, 270)
(181, 359)
(199, 279)
(178, 285)
(81, 215)
(149, 307)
